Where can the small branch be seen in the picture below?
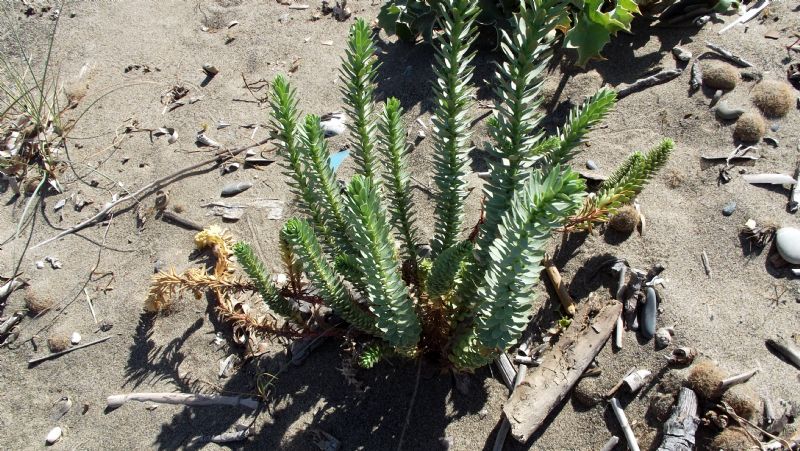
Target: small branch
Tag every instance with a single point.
(180, 220)
(91, 307)
(661, 77)
(410, 408)
(66, 351)
(561, 288)
(706, 264)
(187, 399)
(146, 189)
(728, 55)
(633, 445)
(226, 437)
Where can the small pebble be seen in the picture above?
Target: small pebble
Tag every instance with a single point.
(233, 189)
(53, 436)
(729, 208)
(648, 318)
(75, 338)
(39, 264)
(590, 164)
(787, 240)
(775, 127)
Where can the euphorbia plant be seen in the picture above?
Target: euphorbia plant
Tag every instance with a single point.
(470, 299)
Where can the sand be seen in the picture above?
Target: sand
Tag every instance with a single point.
(726, 315)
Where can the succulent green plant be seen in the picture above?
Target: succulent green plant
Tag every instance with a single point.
(470, 299)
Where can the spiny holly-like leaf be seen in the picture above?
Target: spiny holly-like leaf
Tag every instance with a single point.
(592, 28)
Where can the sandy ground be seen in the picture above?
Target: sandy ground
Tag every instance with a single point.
(726, 316)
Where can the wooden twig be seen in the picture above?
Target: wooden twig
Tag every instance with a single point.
(565, 362)
(181, 221)
(728, 55)
(410, 408)
(221, 157)
(187, 399)
(655, 79)
(66, 351)
(706, 264)
(225, 437)
(633, 445)
(507, 371)
(561, 288)
(681, 427)
(91, 307)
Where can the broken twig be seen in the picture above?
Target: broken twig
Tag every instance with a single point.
(218, 159)
(561, 288)
(633, 445)
(655, 79)
(728, 55)
(66, 351)
(187, 399)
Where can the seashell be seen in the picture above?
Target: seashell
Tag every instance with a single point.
(230, 167)
(60, 408)
(204, 140)
(233, 189)
(682, 356)
(663, 337)
(53, 436)
(75, 338)
(239, 335)
(636, 380)
(333, 123)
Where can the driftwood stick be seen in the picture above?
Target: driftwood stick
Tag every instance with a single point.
(221, 157)
(738, 379)
(785, 349)
(181, 221)
(225, 437)
(728, 55)
(66, 351)
(633, 445)
(681, 427)
(187, 399)
(561, 289)
(505, 426)
(655, 79)
(564, 363)
(507, 371)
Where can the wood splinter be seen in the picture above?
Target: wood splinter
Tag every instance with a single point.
(561, 289)
(655, 79)
(738, 379)
(187, 399)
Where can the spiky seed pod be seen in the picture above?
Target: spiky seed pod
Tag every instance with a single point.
(720, 76)
(774, 98)
(398, 188)
(454, 95)
(358, 72)
(324, 277)
(258, 274)
(625, 220)
(58, 343)
(445, 268)
(37, 304)
(387, 294)
(285, 123)
(705, 378)
(743, 400)
(750, 127)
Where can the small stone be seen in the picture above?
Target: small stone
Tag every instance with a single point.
(53, 436)
(663, 337)
(729, 208)
(75, 338)
(682, 54)
(787, 240)
(590, 164)
(648, 319)
(233, 189)
(39, 264)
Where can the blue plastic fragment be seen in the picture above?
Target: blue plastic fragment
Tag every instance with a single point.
(337, 159)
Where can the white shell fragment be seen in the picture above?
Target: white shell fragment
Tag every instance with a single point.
(75, 338)
(333, 123)
(53, 436)
(773, 179)
(210, 70)
(60, 204)
(172, 135)
(663, 337)
(636, 380)
(204, 140)
(787, 240)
